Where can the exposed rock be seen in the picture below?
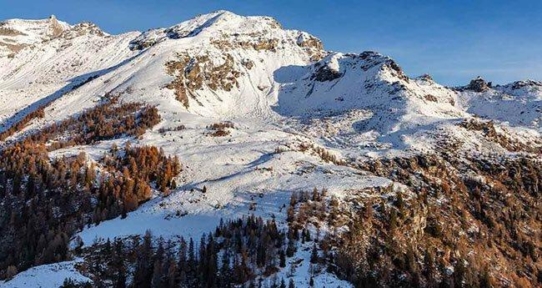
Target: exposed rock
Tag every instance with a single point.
(368, 54)
(192, 73)
(85, 28)
(312, 45)
(257, 44)
(478, 85)
(56, 28)
(309, 41)
(248, 63)
(396, 70)
(6, 31)
(520, 84)
(325, 73)
(140, 45)
(488, 130)
(425, 78)
(431, 98)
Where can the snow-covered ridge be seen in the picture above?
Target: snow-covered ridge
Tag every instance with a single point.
(274, 72)
(15, 34)
(518, 103)
(215, 23)
(270, 72)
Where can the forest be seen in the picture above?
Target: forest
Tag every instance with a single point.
(46, 200)
(446, 222)
(399, 239)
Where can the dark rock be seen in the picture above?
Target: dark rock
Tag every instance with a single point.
(478, 85)
(368, 54)
(324, 74)
(426, 78)
(520, 84)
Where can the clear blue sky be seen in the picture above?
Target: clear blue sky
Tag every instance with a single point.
(453, 40)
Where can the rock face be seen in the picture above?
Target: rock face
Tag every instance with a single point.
(527, 83)
(85, 28)
(56, 28)
(325, 73)
(478, 85)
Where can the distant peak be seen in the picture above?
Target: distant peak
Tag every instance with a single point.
(524, 83)
(83, 28)
(425, 78)
(223, 13)
(20, 33)
(478, 84)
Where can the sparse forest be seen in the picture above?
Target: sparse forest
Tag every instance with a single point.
(45, 201)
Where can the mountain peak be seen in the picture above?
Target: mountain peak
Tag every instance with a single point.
(223, 22)
(226, 30)
(83, 28)
(20, 33)
(478, 84)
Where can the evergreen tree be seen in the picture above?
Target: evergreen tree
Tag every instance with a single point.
(291, 283)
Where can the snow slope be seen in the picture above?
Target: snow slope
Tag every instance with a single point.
(45, 276)
(518, 103)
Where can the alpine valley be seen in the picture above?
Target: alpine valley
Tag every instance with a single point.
(227, 151)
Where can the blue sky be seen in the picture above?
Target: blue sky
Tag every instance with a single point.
(452, 40)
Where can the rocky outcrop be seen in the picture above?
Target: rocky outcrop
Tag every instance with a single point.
(85, 28)
(325, 73)
(527, 83)
(55, 28)
(478, 85)
(193, 73)
(312, 46)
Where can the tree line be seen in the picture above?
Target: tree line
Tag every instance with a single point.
(45, 201)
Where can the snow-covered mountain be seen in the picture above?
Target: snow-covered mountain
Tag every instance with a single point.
(18, 33)
(302, 117)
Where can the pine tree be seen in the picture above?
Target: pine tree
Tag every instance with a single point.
(314, 254)
(282, 256)
(291, 284)
(282, 283)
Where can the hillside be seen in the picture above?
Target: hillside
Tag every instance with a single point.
(180, 130)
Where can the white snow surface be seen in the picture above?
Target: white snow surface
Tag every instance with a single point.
(46, 276)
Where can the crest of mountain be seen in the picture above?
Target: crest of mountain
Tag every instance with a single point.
(17, 34)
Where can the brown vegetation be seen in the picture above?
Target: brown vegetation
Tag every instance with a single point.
(454, 229)
(45, 201)
(220, 129)
(18, 126)
(488, 131)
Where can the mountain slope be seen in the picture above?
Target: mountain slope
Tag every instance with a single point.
(255, 112)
